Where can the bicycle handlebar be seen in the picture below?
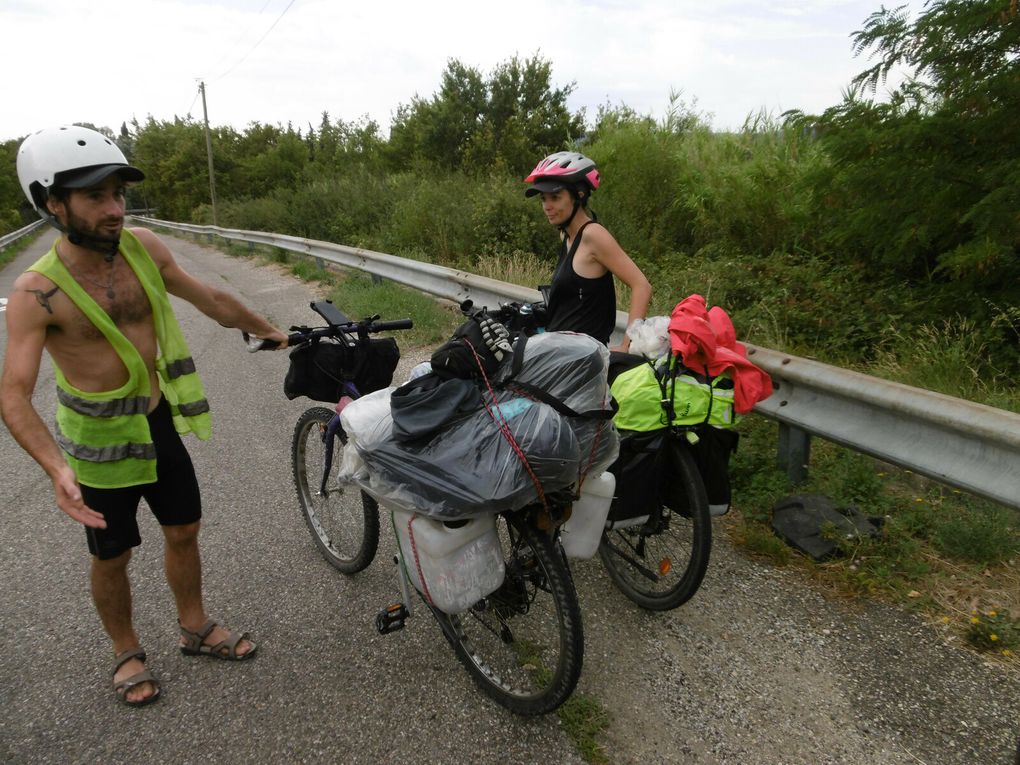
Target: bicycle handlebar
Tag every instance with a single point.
(305, 334)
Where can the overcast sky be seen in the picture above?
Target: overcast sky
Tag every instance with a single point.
(280, 61)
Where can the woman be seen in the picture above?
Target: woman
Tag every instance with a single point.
(583, 295)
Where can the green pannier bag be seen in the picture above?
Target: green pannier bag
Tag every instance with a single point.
(645, 394)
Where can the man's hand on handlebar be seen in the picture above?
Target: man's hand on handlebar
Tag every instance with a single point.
(274, 341)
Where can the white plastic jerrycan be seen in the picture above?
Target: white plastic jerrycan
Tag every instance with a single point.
(581, 533)
(454, 565)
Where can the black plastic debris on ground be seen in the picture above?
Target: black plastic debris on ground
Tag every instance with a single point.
(814, 525)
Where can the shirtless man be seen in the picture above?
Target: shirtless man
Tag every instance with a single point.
(97, 303)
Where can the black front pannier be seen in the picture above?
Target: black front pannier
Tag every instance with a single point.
(319, 370)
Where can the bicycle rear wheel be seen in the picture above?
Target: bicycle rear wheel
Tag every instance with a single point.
(343, 521)
(660, 563)
(523, 645)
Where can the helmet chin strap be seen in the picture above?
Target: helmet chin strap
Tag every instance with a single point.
(578, 204)
(573, 213)
(103, 246)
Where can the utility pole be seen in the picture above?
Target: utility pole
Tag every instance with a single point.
(208, 151)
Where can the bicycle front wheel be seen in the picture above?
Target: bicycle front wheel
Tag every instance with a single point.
(660, 563)
(343, 521)
(523, 645)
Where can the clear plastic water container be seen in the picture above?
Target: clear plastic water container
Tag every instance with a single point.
(453, 564)
(581, 533)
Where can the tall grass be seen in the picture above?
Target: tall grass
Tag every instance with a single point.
(950, 357)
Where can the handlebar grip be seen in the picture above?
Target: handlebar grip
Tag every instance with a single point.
(256, 344)
(386, 326)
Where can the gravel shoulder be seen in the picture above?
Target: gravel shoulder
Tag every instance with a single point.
(758, 669)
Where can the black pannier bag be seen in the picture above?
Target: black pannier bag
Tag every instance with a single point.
(712, 455)
(319, 370)
(639, 472)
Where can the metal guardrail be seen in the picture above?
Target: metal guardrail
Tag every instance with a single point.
(965, 445)
(969, 446)
(8, 239)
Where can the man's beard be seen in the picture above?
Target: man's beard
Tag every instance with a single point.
(90, 237)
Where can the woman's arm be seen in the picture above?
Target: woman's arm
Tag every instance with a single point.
(606, 251)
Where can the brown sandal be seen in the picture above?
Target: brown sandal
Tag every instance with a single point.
(122, 687)
(225, 649)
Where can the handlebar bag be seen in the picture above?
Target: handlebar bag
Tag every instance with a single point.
(319, 370)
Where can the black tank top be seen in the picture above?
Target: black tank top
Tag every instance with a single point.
(580, 304)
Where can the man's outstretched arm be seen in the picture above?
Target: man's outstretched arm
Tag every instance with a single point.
(26, 336)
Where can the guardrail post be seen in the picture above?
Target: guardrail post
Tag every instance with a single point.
(794, 452)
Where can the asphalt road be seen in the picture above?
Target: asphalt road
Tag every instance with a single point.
(757, 669)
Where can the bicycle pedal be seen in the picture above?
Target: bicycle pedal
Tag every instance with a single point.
(391, 618)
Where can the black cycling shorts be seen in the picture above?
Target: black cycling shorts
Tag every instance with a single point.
(174, 498)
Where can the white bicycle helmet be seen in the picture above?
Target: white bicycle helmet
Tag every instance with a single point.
(68, 157)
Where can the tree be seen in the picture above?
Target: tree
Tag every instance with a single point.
(525, 117)
(342, 146)
(267, 157)
(437, 131)
(15, 211)
(926, 184)
(506, 121)
(173, 157)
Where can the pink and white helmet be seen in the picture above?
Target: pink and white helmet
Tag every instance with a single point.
(562, 170)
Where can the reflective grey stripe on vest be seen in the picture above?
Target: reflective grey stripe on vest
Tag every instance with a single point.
(193, 409)
(106, 453)
(180, 368)
(117, 407)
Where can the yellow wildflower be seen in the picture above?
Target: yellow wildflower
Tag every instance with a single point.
(993, 637)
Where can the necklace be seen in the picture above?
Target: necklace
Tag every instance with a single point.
(109, 284)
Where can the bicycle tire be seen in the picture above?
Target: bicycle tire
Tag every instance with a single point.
(523, 645)
(660, 564)
(345, 528)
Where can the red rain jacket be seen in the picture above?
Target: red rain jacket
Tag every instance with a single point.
(705, 339)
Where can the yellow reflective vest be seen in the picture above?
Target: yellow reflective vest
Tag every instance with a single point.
(105, 435)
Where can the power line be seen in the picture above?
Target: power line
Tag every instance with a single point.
(198, 92)
(264, 36)
(225, 53)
